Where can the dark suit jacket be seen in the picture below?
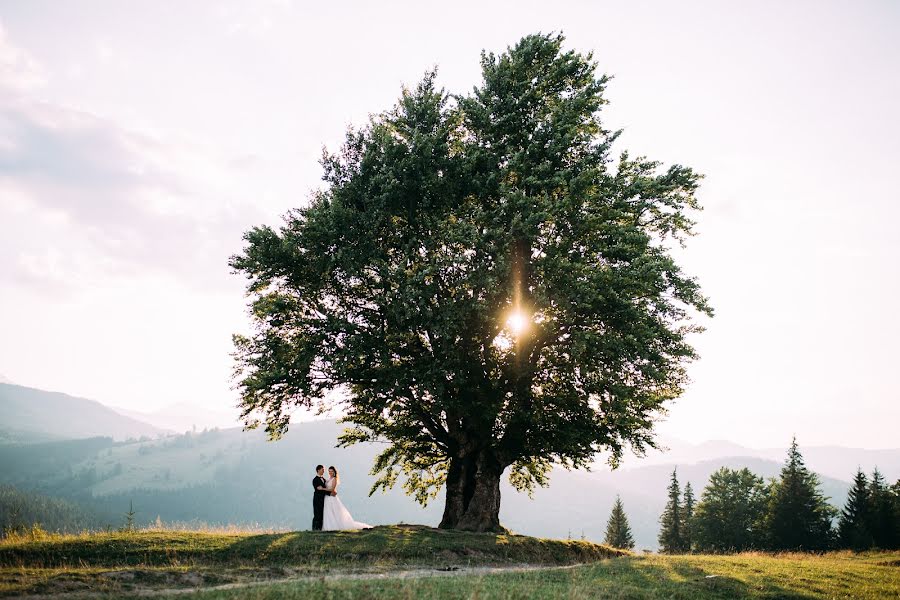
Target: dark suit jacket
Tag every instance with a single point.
(318, 482)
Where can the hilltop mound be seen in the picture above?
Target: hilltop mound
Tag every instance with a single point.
(154, 559)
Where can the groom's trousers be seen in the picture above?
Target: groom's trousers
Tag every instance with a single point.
(318, 510)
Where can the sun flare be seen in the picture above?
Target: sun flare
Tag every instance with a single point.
(517, 322)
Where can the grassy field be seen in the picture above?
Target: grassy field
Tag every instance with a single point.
(418, 562)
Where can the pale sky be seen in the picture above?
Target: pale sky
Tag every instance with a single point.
(138, 140)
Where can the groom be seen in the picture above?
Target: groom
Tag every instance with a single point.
(319, 494)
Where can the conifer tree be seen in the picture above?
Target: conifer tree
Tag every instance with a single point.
(687, 518)
(799, 516)
(895, 501)
(854, 525)
(881, 513)
(671, 540)
(618, 532)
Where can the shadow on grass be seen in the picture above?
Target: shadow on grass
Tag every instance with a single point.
(671, 577)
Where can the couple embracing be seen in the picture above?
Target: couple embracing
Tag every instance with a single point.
(329, 513)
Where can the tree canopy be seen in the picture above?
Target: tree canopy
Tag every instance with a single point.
(731, 512)
(488, 287)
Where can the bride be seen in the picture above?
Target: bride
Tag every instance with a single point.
(335, 515)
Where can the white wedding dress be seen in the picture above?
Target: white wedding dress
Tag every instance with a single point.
(335, 516)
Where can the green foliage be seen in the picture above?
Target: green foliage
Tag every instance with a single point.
(671, 533)
(855, 522)
(882, 517)
(618, 532)
(688, 517)
(440, 217)
(128, 527)
(731, 512)
(21, 512)
(799, 516)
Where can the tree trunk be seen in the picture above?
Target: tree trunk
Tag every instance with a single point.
(460, 487)
(482, 511)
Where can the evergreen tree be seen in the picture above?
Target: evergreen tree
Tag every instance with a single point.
(688, 518)
(729, 517)
(799, 516)
(895, 502)
(881, 513)
(671, 534)
(618, 532)
(854, 526)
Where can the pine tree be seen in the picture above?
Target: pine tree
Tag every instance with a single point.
(881, 513)
(687, 518)
(799, 516)
(671, 538)
(895, 502)
(618, 532)
(854, 526)
(129, 517)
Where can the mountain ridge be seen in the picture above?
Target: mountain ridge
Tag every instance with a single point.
(32, 413)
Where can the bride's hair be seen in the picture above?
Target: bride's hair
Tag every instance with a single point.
(335, 473)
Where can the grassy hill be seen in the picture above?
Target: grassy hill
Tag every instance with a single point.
(418, 562)
(173, 559)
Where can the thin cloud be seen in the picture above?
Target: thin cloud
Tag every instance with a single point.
(90, 200)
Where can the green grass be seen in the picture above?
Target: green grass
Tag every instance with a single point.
(410, 562)
(874, 576)
(154, 559)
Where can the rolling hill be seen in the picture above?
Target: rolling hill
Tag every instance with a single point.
(32, 415)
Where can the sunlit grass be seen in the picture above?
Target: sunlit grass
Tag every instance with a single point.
(445, 564)
(154, 558)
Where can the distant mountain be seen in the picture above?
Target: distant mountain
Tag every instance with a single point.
(184, 416)
(834, 461)
(32, 415)
(4, 379)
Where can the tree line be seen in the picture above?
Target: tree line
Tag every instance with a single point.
(738, 511)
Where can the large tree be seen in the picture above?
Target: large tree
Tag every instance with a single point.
(486, 285)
